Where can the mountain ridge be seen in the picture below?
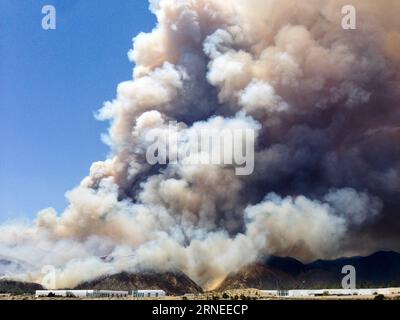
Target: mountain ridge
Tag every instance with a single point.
(173, 283)
(380, 269)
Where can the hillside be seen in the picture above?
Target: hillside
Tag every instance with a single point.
(174, 283)
(16, 287)
(381, 269)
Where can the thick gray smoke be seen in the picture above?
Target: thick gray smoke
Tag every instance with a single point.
(324, 102)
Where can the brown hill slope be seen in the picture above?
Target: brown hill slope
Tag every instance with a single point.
(381, 269)
(174, 283)
(257, 276)
(16, 287)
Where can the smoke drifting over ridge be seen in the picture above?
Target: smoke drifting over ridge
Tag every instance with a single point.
(324, 102)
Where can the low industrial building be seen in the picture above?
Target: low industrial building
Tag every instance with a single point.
(81, 293)
(148, 293)
(101, 293)
(330, 292)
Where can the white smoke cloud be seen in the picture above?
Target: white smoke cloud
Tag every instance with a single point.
(287, 70)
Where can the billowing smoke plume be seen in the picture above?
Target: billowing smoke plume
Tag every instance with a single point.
(324, 102)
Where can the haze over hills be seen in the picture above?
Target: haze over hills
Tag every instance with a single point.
(381, 269)
(8, 265)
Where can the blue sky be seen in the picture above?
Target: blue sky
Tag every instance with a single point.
(51, 84)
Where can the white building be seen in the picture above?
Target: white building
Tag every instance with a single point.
(148, 293)
(330, 292)
(81, 293)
